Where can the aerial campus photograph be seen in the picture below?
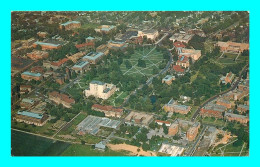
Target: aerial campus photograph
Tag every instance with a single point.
(130, 83)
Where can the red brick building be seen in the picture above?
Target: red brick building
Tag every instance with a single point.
(31, 76)
(238, 118)
(37, 69)
(193, 132)
(109, 111)
(57, 64)
(173, 129)
(25, 89)
(37, 55)
(70, 25)
(60, 98)
(224, 102)
(213, 110)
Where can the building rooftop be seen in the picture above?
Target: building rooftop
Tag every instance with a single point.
(215, 107)
(28, 101)
(224, 101)
(93, 55)
(97, 82)
(47, 43)
(151, 31)
(107, 108)
(235, 115)
(90, 38)
(81, 64)
(168, 77)
(31, 74)
(243, 106)
(70, 22)
(30, 114)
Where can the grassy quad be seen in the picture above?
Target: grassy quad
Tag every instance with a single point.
(151, 57)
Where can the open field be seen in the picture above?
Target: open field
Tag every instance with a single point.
(72, 126)
(46, 129)
(230, 150)
(38, 146)
(84, 150)
(117, 98)
(152, 60)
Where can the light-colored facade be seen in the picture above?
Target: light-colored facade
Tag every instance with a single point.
(93, 57)
(168, 79)
(194, 54)
(100, 90)
(232, 47)
(172, 106)
(81, 66)
(139, 118)
(70, 25)
(150, 34)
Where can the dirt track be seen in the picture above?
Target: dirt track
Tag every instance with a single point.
(131, 149)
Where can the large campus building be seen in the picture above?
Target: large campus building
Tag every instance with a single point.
(232, 47)
(105, 29)
(193, 131)
(60, 98)
(150, 34)
(139, 118)
(236, 117)
(31, 118)
(181, 37)
(70, 25)
(109, 111)
(172, 106)
(213, 110)
(37, 55)
(192, 53)
(173, 129)
(93, 57)
(48, 44)
(81, 66)
(100, 89)
(116, 45)
(228, 78)
(31, 76)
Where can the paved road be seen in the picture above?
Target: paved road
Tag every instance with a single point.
(214, 97)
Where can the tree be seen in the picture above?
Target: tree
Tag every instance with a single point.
(165, 129)
(220, 136)
(128, 64)
(245, 53)
(141, 63)
(83, 142)
(145, 147)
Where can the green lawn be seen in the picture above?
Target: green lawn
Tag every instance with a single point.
(153, 59)
(72, 126)
(84, 150)
(46, 129)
